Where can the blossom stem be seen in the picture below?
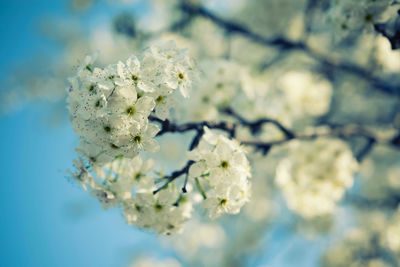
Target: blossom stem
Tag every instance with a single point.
(201, 189)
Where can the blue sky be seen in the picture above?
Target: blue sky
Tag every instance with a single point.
(46, 220)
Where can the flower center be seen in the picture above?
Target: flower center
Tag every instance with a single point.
(223, 202)
(134, 77)
(205, 99)
(369, 18)
(219, 85)
(158, 207)
(130, 110)
(137, 139)
(159, 99)
(91, 87)
(225, 164)
(98, 104)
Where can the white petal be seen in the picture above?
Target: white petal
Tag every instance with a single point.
(151, 145)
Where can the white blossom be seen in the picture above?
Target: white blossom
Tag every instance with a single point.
(391, 233)
(222, 168)
(109, 108)
(128, 183)
(315, 175)
(164, 212)
(349, 16)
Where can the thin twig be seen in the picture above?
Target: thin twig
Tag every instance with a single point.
(185, 183)
(366, 149)
(175, 175)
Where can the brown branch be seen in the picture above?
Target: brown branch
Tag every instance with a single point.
(343, 132)
(170, 127)
(255, 126)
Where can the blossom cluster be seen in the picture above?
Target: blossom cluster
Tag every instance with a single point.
(353, 15)
(391, 233)
(222, 83)
(315, 175)
(109, 107)
(375, 242)
(353, 249)
(305, 94)
(128, 183)
(222, 171)
(164, 212)
(110, 110)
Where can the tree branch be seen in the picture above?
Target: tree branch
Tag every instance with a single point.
(175, 175)
(282, 43)
(255, 126)
(343, 132)
(170, 127)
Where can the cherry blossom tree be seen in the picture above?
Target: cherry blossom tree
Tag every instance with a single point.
(278, 112)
